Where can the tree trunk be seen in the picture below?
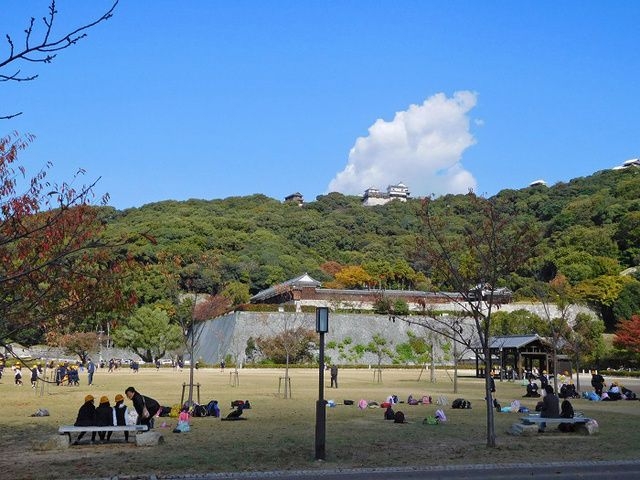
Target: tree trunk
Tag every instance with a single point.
(555, 365)
(455, 369)
(192, 364)
(286, 378)
(491, 430)
(433, 367)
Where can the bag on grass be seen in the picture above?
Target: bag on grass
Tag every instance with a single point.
(389, 414)
(213, 410)
(440, 416)
(199, 411)
(460, 403)
(398, 417)
(430, 420)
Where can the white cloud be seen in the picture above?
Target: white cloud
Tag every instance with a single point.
(421, 147)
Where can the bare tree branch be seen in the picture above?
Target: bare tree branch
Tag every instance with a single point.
(42, 50)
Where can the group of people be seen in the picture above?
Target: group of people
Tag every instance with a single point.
(550, 407)
(36, 372)
(567, 388)
(616, 391)
(67, 374)
(105, 415)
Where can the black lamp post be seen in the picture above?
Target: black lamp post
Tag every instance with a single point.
(322, 327)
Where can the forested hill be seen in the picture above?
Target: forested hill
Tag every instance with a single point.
(590, 225)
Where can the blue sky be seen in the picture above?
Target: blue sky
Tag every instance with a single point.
(211, 99)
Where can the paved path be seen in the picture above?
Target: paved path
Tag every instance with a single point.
(558, 471)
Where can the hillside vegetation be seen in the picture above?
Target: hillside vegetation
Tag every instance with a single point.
(589, 233)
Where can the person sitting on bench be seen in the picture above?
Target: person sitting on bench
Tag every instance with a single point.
(120, 414)
(104, 417)
(550, 406)
(566, 411)
(86, 418)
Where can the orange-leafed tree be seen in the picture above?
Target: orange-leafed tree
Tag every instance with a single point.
(628, 335)
(353, 276)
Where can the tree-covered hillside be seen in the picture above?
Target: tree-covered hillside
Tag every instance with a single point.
(589, 233)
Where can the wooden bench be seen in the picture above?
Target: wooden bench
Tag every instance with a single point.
(69, 429)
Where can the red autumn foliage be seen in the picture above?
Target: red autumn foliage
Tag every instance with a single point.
(212, 307)
(55, 269)
(628, 334)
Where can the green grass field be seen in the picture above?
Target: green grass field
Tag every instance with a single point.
(279, 433)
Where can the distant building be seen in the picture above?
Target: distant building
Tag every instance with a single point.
(372, 196)
(294, 198)
(306, 291)
(633, 162)
(537, 182)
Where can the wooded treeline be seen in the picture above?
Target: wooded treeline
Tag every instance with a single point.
(589, 232)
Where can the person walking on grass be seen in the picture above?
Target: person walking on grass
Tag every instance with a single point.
(91, 369)
(17, 374)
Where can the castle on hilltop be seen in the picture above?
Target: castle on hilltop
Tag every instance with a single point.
(372, 196)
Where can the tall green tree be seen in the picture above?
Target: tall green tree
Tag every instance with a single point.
(149, 333)
(518, 322)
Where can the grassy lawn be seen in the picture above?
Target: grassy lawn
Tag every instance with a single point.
(279, 433)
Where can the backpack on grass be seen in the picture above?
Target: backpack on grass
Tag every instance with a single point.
(199, 410)
(430, 420)
(389, 414)
(460, 403)
(213, 410)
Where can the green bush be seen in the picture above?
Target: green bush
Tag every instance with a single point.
(400, 307)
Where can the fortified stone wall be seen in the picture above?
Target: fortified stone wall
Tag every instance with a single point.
(228, 335)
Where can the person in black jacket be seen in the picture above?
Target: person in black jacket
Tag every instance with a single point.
(146, 407)
(532, 389)
(86, 418)
(104, 417)
(597, 382)
(550, 406)
(120, 412)
(334, 375)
